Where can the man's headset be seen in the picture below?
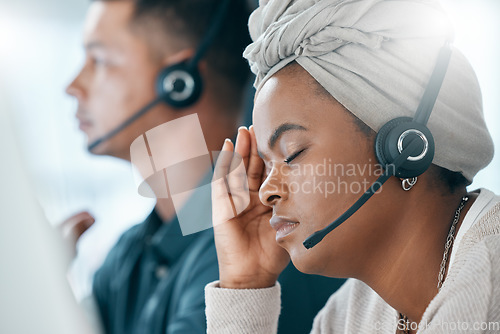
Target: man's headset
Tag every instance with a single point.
(179, 85)
(403, 146)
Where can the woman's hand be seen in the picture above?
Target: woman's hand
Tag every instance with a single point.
(248, 255)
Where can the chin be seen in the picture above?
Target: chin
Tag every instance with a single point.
(108, 148)
(323, 259)
(98, 150)
(305, 260)
(103, 149)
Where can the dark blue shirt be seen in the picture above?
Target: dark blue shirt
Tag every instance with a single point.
(153, 280)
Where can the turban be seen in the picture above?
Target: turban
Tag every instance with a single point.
(375, 57)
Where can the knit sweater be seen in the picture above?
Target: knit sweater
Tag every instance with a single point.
(468, 302)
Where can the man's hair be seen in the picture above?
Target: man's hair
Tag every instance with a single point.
(189, 20)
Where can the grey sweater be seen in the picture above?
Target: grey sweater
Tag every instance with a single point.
(469, 301)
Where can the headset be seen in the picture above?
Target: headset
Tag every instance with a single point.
(404, 146)
(179, 85)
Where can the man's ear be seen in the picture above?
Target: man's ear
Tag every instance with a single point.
(184, 55)
(178, 57)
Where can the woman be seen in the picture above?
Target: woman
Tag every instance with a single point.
(421, 254)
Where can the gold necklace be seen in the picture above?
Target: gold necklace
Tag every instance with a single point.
(442, 269)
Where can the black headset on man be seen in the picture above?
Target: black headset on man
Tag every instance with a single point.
(179, 85)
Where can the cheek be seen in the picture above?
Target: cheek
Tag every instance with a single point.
(115, 96)
(321, 191)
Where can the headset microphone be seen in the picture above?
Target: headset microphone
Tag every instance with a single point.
(403, 146)
(126, 123)
(179, 85)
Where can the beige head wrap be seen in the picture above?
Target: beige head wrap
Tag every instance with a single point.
(375, 57)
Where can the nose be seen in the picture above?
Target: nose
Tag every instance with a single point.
(273, 189)
(75, 88)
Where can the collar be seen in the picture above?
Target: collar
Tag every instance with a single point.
(170, 239)
(167, 240)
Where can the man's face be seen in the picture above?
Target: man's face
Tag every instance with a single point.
(116, 80)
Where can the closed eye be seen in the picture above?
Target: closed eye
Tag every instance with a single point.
(293, 156)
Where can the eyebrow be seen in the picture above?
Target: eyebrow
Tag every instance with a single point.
(280, 130)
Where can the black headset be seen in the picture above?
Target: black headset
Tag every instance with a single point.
(404, 146)
(179, 85)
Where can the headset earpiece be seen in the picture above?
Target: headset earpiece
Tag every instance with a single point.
(394, 136)
(179, 85)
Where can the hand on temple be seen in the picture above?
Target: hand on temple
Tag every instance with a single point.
(248, 255)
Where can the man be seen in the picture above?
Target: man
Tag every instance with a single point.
(153, 279)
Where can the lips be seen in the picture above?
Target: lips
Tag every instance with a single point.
(283, 226)
(83, 123)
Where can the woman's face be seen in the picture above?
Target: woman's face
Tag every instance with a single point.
(318, 164)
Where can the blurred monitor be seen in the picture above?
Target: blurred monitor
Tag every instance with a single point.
(35, 296)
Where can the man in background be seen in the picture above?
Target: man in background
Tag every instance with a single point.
(153, 279)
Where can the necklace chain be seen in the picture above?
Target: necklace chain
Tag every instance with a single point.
(447, 246)
(449, 242)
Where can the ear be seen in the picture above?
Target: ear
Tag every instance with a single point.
(178, 57)
(184, 55)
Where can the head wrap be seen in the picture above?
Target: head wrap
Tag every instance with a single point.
(375, 57)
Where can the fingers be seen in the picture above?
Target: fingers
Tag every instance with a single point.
(237, 177)
(223, 160)
(73, 227)
(221, 202)
(84, 215)
(242, 146)
(255, 170)
(82, 227)
(238, 170)
(76, 225)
